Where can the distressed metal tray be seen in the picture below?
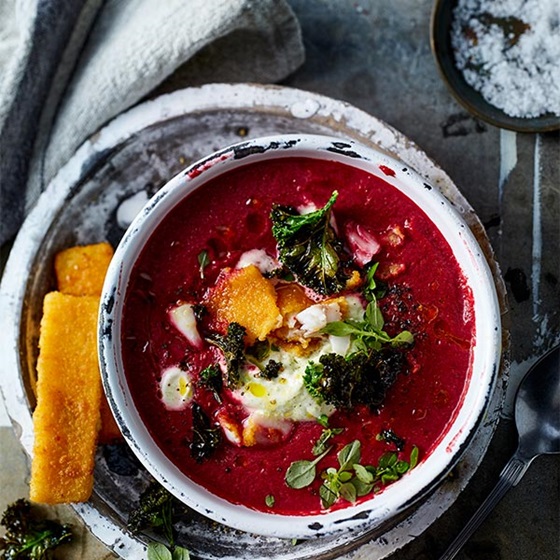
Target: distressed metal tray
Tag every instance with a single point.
(140, 151)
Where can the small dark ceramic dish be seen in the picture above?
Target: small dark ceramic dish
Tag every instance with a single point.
(468, 97)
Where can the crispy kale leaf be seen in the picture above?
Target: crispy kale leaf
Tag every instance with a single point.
(27, 538)
(309, 248)
(258, 353)
(211, 378)
(362, 378)
(154, 511)
(232, 345)
(206, 438)
(371, 367)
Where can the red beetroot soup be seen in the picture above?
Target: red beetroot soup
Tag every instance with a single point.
(424, 292)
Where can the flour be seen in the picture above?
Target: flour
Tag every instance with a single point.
(509, 51)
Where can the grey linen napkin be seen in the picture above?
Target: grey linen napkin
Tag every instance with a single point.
(69, 66)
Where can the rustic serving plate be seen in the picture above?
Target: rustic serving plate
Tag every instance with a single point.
(123, 164)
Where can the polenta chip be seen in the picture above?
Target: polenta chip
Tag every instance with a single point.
(81, 270)
(67, 417)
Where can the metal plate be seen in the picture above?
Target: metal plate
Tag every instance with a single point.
(140, 151)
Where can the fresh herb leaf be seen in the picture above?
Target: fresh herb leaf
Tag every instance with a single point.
(369, 331)
(349, 455)
(362, 474)
(203, 262)
(302, 473)
(330, 489)
(211, 377)
(312, 380)
(308, 246)
(373, 289)
(180, 553)
(154, 511)
(158, 551)
(206, 438)
(321, 444)
(28, 537)
(348, 492)
(269, 500)
(362, 488)
(232, 346)
(414, 457)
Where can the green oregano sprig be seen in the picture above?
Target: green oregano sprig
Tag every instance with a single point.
(321, 444)
(302, 473)
(351, 480)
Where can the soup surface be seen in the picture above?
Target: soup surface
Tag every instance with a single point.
(216, 253)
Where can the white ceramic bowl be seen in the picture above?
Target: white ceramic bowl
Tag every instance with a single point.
(419, 482)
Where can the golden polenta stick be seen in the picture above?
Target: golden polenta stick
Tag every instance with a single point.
(67, 418)
(81, 270)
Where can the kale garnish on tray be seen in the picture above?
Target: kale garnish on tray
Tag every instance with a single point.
(27, 537)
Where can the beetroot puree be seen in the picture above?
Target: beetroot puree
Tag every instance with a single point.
(229, 216)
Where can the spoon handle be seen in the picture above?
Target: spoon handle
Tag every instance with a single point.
(509, 477)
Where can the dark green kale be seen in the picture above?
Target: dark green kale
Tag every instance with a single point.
(155, 512)
(232, 346)
(206, 437)
(309, 247)
(375, 359)
(388, 436)
(211, 378)
(258, 353)
(272, 369)
(362, 378)
(28, 538)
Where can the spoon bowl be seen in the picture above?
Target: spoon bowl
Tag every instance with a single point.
(537, 418)
(537, 407)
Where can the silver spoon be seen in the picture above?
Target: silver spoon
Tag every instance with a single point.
(537, 417)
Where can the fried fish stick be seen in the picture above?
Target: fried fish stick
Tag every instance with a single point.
(67, 417)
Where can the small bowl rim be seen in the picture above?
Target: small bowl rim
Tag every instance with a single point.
(241, 517)
(466, 95)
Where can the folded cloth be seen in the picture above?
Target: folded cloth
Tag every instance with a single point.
(68, 67)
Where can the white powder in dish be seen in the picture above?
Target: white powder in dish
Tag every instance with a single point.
(509, 51)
